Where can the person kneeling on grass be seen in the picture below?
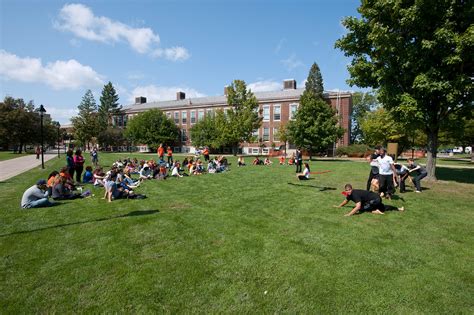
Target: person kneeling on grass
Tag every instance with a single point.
(365, 201)
(305, 174)
(36, 196)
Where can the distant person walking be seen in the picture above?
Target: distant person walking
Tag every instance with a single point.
(95, 157)
(38, 152)
(169, 153)
(205, 152)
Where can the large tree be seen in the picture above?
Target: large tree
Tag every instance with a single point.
(419, 55)
(315, 126)
(86, 125)
(243, 116)
(315, 81)
(109, 105)
(152, 128)
(205, 133)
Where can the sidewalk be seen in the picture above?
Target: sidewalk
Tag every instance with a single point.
(13, 167)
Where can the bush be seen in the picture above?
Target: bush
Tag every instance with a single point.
(353, 150)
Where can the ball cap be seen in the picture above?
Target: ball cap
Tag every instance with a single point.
(41, 182)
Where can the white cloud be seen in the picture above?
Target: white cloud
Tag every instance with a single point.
(162, 93)
(81, 21)
(63, 115)
(291, 62)
(59, 75)
(265, 85)
(173, 53)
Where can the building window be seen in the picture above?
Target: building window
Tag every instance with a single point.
(266, 134)
(276, 112)
(184, 136)
(266, 113)
(293, 109)
(209, 112)
(176, 117)
(168, 115)
(253, 150)
(275, 135)
(265, 151)
(200, 114)
(184, 117)
(193, 117)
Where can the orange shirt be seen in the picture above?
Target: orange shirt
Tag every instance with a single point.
(161, 151)
(282, 159)
(205, 152)
(170, 152)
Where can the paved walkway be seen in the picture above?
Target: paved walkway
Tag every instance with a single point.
(13, 167)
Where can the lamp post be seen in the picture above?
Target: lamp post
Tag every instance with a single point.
(42, 111)
(59, 126)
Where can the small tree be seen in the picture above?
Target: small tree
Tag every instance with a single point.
(314, 82)
(152, 128)
(109, 105)
(86, 123)
(204, 132)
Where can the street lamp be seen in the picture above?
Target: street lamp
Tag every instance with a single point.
(59, 126)
(42, 111)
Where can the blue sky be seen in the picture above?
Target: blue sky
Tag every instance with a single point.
(53, 51)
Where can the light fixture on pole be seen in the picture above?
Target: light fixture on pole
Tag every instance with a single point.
(42, 111)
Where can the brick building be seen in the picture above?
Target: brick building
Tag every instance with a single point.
(278, 107)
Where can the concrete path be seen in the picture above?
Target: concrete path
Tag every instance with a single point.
(13, 167)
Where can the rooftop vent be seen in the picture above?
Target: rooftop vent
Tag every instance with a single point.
(140, 100)
(180, 96)
(289, 84)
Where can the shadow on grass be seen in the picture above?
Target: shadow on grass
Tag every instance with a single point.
(323, 188)
(460, 175)
(130, 214)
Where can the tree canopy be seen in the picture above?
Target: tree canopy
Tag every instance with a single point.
(109, 105)
(152, 128)
(314, 81)
(419, 55)
(86, 124)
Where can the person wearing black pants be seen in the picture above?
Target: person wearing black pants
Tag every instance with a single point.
(387, 174)
(298, 160)
(420, 173)
(374, 167)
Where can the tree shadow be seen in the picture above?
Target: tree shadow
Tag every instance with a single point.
(460, 175)
(130, 214)
(321, 188)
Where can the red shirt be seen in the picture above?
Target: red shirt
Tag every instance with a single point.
(161, 151)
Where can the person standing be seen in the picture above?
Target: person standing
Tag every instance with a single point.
(205, 152)
(70, 163)
(298, 160)
(169, 153)
(374, 166)
(161, 152)
(419, 171)
(387, 174)
(36, 196)
(38, 152)
(95, 157)
(78, 164)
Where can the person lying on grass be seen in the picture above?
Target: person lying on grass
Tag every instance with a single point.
(365, 201)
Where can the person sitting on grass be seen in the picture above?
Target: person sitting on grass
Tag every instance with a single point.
(64, 172)
(267, 161)
(257, 161)
(305, 174)
(365, 201)
(145, 172)
(61, 192)
(36, 196)
(291, 160)
(282, 160)
(88, 177)
(51, 179)
(175, 171)
(98, 177)
(240, 161)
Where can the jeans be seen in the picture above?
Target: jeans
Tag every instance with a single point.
(417, 179)
(43, 202)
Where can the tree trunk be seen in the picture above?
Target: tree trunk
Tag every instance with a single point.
(20, 148)
(432, 152)
(310, 153)
(472, 153)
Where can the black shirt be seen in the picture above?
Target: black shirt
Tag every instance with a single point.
(421, 170)
(363, 196)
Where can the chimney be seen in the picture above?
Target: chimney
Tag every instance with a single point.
(180, 96)
(289, 84)
(225, 90)
(140, 100)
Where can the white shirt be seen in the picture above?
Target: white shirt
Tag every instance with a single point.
(306, 172)
(385, 165)
(175, 172)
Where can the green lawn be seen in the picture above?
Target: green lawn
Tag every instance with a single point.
(449, 161)
(253, 240)
(7, 155)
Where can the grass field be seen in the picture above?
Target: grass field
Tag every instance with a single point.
(7, 155)
(253, 240)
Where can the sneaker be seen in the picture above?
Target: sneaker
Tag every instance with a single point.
(417, 191)
(401, 209)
